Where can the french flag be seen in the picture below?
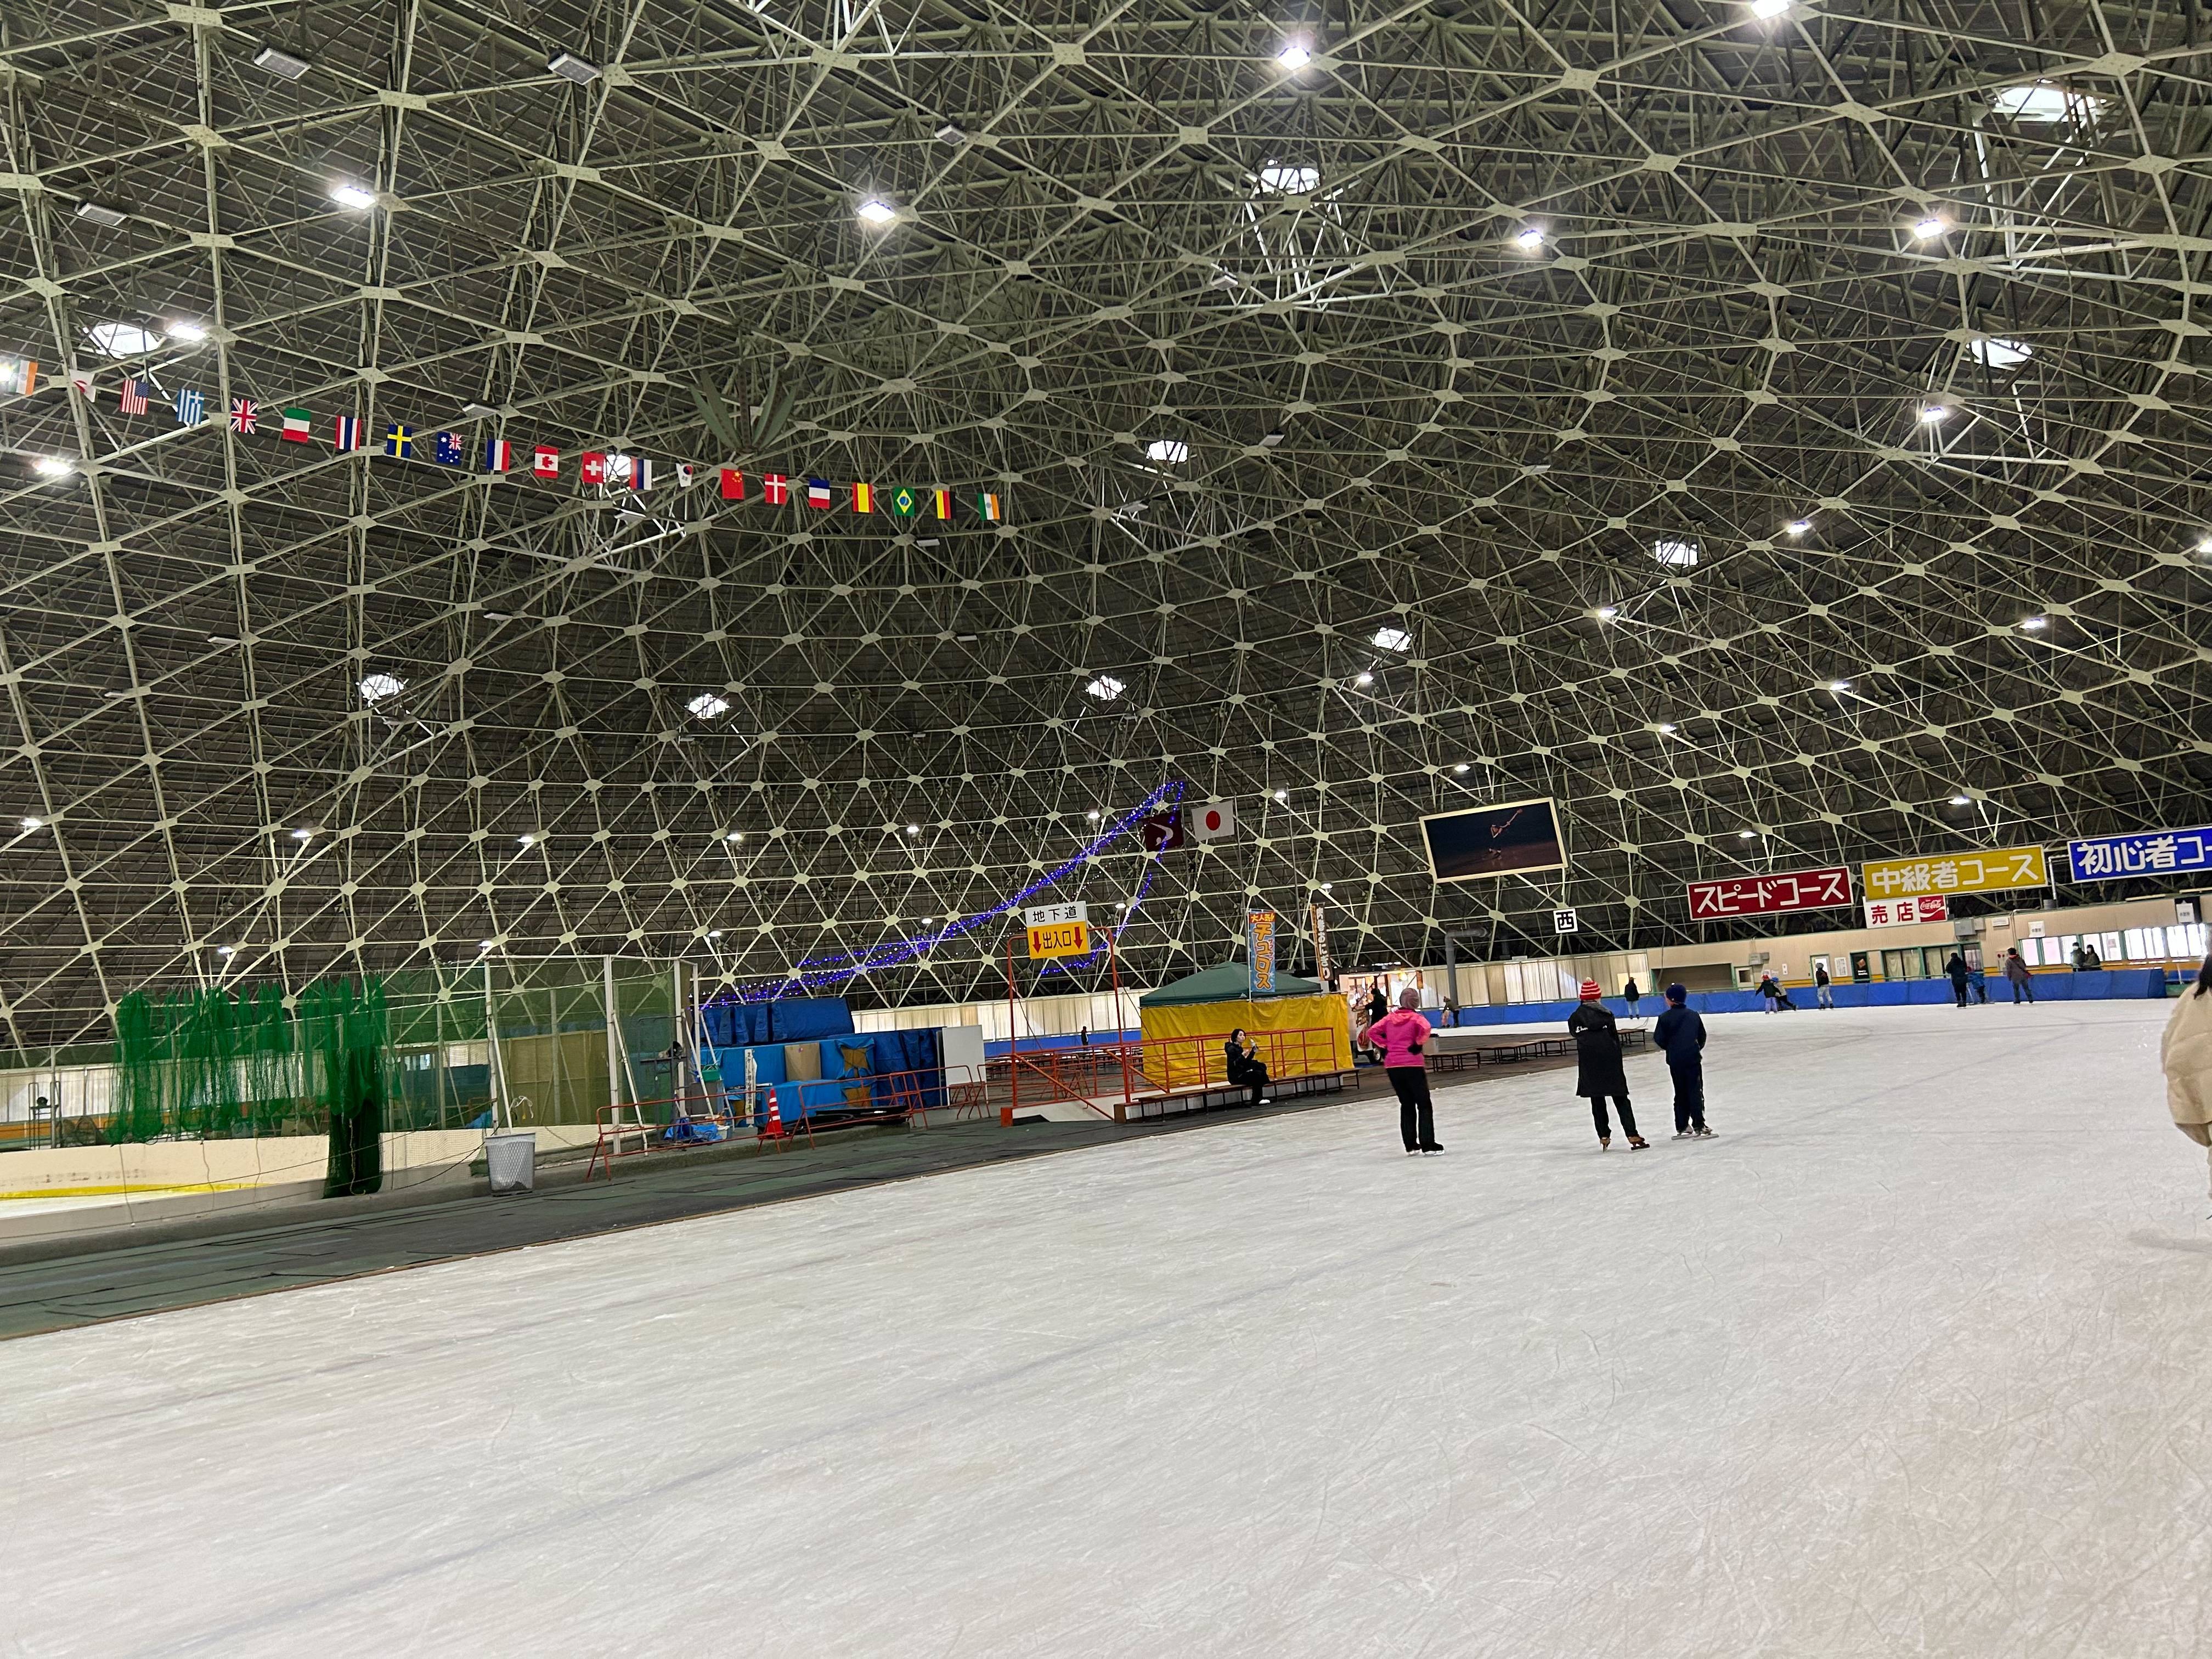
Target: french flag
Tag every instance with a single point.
(818, 492)
(498, 457)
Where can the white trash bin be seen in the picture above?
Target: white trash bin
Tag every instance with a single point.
(511, 1161)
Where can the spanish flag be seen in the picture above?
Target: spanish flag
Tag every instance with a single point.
(942, 501)
(864, 498)
(987, 505)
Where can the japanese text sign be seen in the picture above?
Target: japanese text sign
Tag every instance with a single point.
(1955, 873)
(2151, 852)
(1766, 896)
(1900, 912)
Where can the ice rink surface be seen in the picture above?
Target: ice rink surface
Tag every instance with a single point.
(1916, 1358)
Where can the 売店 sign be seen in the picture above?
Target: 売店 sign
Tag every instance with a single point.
(1050, 915)
(1955, 873)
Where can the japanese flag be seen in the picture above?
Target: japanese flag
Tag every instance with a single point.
(1216, 821)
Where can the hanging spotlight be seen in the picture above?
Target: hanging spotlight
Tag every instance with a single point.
(1295, 56)
(1931, 226)
(1530, 239)
(876, 212)
(569, 67)
(350, 195)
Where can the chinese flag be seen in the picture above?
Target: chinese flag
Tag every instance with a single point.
(733, 484)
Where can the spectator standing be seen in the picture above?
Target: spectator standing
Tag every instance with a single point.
(1824, 989)
(2017, 976)
(1598, 1068)
(1955, 970)
(2090, 959)
(2078, 956)
(1632, 994)
(1400, 1037)
(1679, 1033)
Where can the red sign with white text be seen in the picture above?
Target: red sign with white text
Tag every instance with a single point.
(1766, 896)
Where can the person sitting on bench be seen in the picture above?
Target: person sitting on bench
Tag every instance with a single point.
(1245, 1066)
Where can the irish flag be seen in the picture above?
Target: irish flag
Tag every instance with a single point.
(295, 426)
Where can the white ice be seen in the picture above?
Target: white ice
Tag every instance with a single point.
(1914, 1358)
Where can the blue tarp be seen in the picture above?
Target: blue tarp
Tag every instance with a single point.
(791, 1019)
(2130, 982)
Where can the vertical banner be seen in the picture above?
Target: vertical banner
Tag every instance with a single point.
(1324, 970)
(1260, 951)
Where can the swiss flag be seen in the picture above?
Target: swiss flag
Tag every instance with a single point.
(545, 461)
(733, 484)
(595, 467)
(1211, 822)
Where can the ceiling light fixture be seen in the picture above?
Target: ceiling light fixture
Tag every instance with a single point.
(1798, 526)
(1282, 794)
(1766, 10)
(915, 829)
(223, 951)
(876, 212)
(186, 333)
(283, 64)
(1962, 800)
(1394, 639)
(1295, 56)
(1931, 226)
(569, 67)
(734, 836)
(1605, 612)
(1460, 769)
(30, 824)
(1529, 240)
(1665, 728)
(1839, 685)
(1093, 815)
(51, 466)
(106, 217)
(527, 840)
(2001, 354)
(350, 195)
(375, 688)
(1747, 834)
(1362, 677)
(1931, 413)
(2035, 624)
(951, 133)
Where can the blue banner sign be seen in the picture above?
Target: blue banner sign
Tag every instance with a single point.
(2150, 852)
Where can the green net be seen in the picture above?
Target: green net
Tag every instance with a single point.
(344, 1032)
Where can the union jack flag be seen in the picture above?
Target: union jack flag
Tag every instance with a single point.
(243, 413)
(131, 399)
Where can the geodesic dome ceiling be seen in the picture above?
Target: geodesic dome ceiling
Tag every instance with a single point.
(1758, 432)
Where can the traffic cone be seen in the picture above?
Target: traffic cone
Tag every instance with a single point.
(774, 1131)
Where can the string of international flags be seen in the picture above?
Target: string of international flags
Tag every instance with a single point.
(607, 469)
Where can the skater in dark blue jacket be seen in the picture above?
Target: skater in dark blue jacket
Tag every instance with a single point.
(1679, 1033)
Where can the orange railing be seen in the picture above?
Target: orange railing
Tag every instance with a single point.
(1107, 1076)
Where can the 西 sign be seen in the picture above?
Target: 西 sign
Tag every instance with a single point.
(1566, 921)
(1955, 873)
(1060, 938)
(1766, 896)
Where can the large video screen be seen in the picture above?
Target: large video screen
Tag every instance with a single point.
(1515, 839)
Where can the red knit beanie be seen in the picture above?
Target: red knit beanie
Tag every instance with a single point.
(1590, 993)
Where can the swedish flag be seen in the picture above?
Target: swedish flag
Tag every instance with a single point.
(398, 442)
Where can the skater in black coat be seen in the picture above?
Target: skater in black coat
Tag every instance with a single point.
(1598, 1073)
(1955, 970)
(1679, 1033)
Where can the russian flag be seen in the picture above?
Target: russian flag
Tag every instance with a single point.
(497, 455)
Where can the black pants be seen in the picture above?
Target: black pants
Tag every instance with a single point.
(1958, 990)
(1417, 1114)
(1605, 1129)
(2022, 988)
(1689, 1095)
(1253, 1073)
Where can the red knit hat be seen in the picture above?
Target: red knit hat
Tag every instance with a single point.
(1590, 993)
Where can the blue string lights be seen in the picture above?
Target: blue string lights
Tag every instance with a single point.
(818, 973)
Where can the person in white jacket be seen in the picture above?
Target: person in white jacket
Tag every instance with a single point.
(2185, 1052)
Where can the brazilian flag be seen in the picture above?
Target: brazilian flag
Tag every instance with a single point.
(906, 502)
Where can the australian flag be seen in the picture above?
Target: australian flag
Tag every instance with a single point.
(452, 450)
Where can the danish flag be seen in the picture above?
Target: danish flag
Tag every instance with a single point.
(775, 489)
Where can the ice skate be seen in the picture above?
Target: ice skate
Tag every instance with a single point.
(1638, 1144)
(1431, 1151)
(1681, 1134)
(1704, 1134)
(1605, 1143)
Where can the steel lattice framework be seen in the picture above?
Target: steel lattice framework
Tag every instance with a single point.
(1769, 247)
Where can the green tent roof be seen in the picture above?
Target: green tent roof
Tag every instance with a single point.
(1227, 983)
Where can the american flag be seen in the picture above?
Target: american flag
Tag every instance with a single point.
(243, 413)
(131, 398)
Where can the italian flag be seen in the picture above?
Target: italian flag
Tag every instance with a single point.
(295, 426)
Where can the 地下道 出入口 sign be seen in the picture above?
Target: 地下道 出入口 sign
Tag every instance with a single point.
(1766, 896)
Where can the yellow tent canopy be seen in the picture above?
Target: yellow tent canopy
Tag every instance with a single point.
(1300, 1031)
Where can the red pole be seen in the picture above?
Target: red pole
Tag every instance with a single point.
(1120, 1039)
(1013, 1071)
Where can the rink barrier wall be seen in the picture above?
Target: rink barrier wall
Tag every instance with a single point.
(2129, 983)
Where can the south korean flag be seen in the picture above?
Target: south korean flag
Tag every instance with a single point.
(686, 474)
